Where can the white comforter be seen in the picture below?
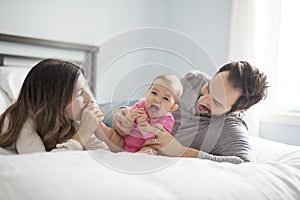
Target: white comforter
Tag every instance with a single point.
(104, 175)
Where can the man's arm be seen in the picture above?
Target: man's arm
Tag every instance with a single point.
(231, 159)
(167, 145)
(234, 149)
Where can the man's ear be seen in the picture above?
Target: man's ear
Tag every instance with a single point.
(175, 107)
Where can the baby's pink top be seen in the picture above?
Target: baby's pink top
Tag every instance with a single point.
(135, 141)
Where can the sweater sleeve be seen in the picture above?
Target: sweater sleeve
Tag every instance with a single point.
(69, 145)
(231, 159)
(29, 141)
(73, 145)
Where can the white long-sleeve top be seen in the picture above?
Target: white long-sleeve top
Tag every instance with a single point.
(29, 142)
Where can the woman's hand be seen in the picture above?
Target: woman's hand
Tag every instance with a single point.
(90, 119)
(167, 145)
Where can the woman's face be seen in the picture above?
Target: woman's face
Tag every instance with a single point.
(79, 100)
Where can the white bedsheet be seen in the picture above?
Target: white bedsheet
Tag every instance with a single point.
(104, 175)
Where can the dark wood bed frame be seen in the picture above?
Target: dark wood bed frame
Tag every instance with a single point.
(89, 65)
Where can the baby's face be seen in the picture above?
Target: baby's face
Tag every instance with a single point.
(159, 101)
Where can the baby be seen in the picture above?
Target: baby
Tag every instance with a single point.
(161, 98)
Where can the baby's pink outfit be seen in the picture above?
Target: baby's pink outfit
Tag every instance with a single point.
(135, 141)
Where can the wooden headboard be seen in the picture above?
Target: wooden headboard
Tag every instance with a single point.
(88, 59)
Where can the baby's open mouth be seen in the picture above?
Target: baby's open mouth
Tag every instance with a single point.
(153, 109)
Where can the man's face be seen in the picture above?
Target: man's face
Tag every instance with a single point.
(217, 96)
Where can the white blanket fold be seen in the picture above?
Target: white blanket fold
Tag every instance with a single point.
(101, 174)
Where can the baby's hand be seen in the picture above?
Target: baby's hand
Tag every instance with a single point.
(141, 119)
(136, 113)
(148, 150)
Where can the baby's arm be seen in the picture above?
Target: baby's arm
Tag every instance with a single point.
(143, 125)
(114, 141)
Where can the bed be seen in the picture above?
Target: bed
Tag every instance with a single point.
(100, 174)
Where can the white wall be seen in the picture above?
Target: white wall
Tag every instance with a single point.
(280, 132)
(197, 30)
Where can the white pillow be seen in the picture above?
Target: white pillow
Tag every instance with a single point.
(11, 80)
(5, 101)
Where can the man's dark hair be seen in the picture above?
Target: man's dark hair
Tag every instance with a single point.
(252, 83)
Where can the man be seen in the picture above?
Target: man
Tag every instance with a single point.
(210, 123)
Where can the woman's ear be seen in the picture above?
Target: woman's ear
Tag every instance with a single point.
(175, 107)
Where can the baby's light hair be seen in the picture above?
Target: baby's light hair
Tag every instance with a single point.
(172, 82)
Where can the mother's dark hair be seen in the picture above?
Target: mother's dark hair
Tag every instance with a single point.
(45, 93)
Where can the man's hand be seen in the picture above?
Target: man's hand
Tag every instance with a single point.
(167, 145)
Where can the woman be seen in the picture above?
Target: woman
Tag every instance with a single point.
(53, 112)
